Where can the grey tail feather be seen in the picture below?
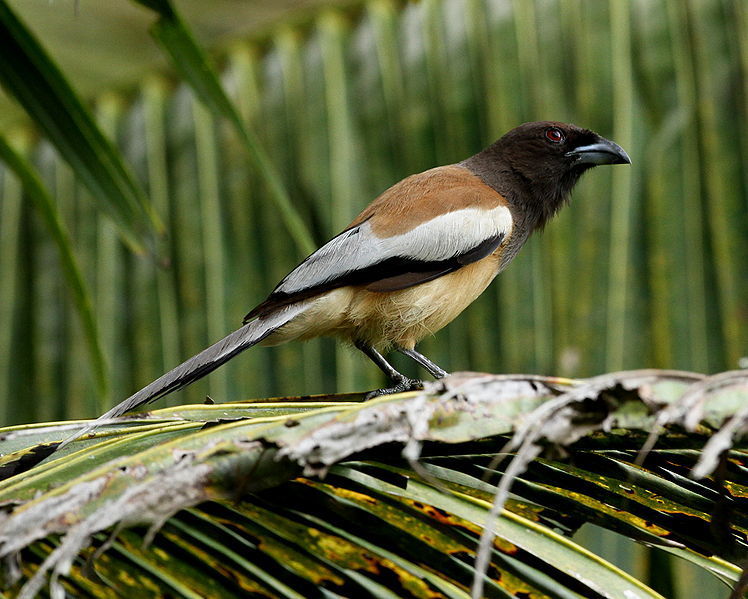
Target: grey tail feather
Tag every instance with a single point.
(197, 366)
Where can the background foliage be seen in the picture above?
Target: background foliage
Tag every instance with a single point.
(645, 268)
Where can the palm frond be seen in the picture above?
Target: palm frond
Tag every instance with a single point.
(193, 66)
(33, 78)
(333, 497)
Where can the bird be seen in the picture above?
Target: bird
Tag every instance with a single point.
(415, 257)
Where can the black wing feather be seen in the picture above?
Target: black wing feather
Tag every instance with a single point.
(391, 274)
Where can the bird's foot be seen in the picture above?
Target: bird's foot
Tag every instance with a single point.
(400, 386)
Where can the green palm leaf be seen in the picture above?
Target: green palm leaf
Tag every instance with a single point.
(31, 76)
(388, 497)
(36, 191)
(193, 66)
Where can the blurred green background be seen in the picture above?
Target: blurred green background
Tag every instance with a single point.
(645, 268)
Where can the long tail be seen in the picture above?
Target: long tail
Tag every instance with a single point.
(199, 365)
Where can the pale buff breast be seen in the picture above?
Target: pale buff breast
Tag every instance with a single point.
(324, 315)
(396, 318)
(402, 318)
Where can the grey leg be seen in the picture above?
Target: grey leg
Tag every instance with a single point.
(434, 369)
(399, 381)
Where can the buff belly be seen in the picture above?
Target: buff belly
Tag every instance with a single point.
(386, 319)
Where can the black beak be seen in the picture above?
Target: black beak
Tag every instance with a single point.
(603, 151)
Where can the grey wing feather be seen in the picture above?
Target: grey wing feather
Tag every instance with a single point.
(446, 236)
(359, 257)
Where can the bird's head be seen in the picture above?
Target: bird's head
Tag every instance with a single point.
(550, 149)
(538, 164)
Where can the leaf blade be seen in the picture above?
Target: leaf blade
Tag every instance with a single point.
(34, 80)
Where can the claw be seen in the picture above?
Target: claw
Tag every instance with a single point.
(403, 385)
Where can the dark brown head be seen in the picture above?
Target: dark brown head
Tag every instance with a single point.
(536, 165)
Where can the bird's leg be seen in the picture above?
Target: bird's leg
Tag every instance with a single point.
(399, 381)
(434, 369)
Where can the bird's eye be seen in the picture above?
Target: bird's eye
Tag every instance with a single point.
(555, 135)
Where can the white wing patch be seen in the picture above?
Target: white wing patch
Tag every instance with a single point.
(441, 238)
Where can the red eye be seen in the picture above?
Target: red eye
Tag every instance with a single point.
(555, 135)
